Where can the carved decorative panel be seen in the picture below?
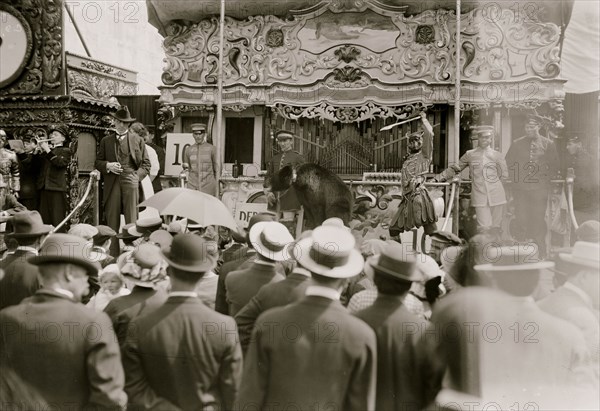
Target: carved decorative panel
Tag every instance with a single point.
(344, 53)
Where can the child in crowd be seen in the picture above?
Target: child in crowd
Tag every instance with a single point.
(111, 286)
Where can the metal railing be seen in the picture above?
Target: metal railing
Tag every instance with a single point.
(92, 184)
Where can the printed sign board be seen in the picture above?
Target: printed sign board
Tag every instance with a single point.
(245, 211)
(176, 143)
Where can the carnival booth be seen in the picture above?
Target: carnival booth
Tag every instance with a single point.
(42, 86)
(337, 72)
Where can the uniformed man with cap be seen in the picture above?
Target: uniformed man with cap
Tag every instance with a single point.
(533, 162)
(287, 156)
(200, 162)
(487, 169)
(52, 179)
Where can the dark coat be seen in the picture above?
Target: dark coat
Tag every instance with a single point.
(107, 152)
(20, 278)
(269, 296)
(66, 351)
(311, 354)
(243, 284)
(122, 310)
(397, 331)
(53, 173)
(221, 305)
(531, 168)
(183, 356)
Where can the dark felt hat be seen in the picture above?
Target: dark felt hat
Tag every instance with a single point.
(123, 115)
(189, 252)
(396, 261)
(27, 224)
(125, 234)
(104, 233)
(66, 248)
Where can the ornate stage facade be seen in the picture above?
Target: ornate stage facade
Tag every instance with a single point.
(335, 72)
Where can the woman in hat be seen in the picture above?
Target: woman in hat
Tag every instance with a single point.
(52, 180)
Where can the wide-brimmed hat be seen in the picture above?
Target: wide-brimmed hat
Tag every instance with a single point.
(125, 234)
(66, 248)
(26, 224)
(518, 257)
(396, 261)
(284, 135)
(123, 115)
(256, 218)
(145, 226)
(588, 231)
(330, 251)
(144, 266)
(271, 240)
(446, 237)
(189, 252)
(335, 221)
(584, 253)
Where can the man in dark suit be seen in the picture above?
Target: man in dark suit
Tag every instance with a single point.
(269, 239)
(396, 328)
(52, 179)
(312, 354)
(243, 261)
(270, 296)
(21, 277)
(183, 356)
(63, 349)
(123, 162)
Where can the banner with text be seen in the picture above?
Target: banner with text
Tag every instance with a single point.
(245, 211)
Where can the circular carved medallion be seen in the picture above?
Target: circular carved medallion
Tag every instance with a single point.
(15, 44)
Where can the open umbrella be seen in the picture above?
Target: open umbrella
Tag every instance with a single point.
(195, 205)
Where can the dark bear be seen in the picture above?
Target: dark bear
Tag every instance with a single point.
(322, 193)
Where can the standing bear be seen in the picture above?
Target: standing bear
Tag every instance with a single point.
(322, 193)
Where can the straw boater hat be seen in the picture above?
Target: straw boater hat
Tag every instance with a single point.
(583, 254)
(329, 252)
(123, 115)
(27, 224)
(518, 257)
(145, 226)
(191, 253)
(68, 249)
(271, 239)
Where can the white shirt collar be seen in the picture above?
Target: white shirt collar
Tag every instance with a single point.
(321, 291)
(183, 294)
(258, 261)
(570, 286)
(63, 292)
(302, 271)
(27, 248)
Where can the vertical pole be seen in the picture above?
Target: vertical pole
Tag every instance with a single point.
(218, 139)
(456, 213)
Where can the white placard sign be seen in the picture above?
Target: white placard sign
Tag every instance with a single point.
(245, 211)
(176, 143)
